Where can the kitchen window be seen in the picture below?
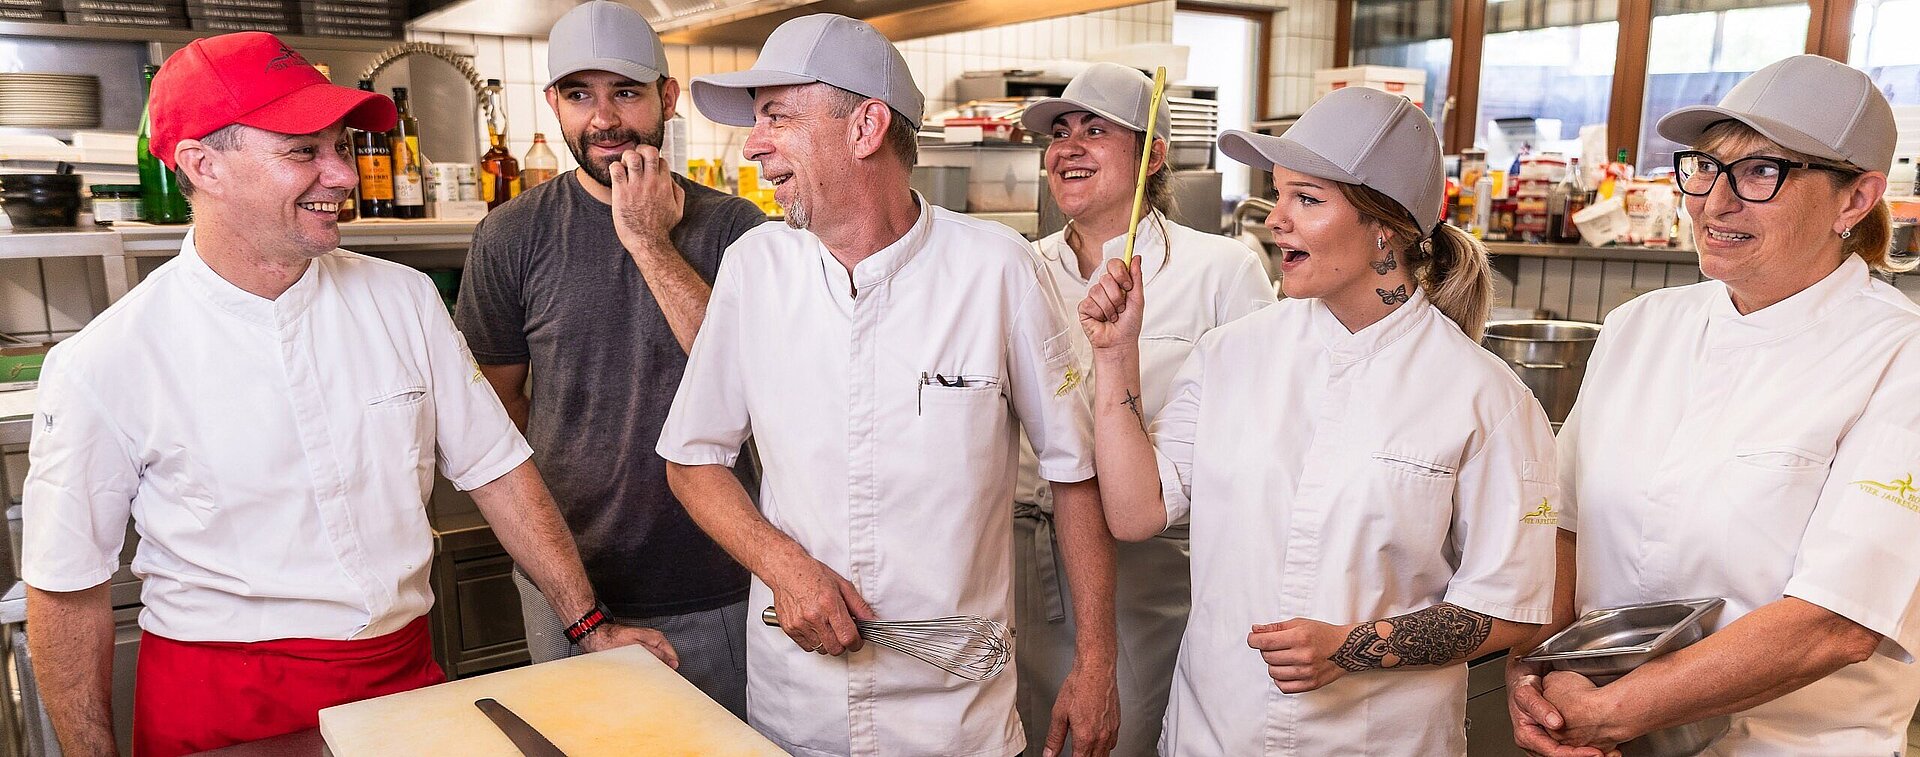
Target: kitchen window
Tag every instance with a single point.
(1546, 72)
(1699, 49)
(1408, 34)
(1884, 46)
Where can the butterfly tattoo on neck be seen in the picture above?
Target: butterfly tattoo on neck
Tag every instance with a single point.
(1398, 295)
(1381, 267)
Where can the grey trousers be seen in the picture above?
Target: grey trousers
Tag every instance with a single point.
(1151, 598)
(712, 644)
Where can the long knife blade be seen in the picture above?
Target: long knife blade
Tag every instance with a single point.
(524, 737)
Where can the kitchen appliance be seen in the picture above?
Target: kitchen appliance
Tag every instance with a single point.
(1000, 177)
(1549, 356)
(945, 186)
(618, 702)
(1604, 645)
(968, 646)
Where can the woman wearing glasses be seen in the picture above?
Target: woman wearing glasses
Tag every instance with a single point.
(1755, 437)
(1371, 492)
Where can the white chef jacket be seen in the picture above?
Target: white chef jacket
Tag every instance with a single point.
(1347, 477)
(1713, 454)
(275, 455)
(1208, 280)
(879, 471)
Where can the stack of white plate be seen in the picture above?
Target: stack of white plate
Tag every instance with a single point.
(50, 101)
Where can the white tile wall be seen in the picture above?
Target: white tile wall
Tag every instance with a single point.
(1302, 42)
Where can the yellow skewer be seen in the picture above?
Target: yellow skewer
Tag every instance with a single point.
(1146, 154)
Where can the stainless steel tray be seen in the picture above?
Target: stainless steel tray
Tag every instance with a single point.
(1614, 641)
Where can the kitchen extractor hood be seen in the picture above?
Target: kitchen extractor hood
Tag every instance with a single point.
(747, 22)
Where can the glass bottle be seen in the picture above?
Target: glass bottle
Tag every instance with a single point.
(409, 177)
(160, 198)
(373, 153)
(541, 164)
(1575, 187)
(501, 173)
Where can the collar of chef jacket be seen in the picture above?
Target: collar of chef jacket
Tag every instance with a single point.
(881, 265)
(1728, 328)
(246, 305)
(1149, 247)
(1348, 347)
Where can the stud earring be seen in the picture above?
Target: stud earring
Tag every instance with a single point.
(1846, 234)
(1379, 243)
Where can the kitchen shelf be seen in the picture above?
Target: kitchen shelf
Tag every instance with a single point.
(1583, 252)
(106, 32)
(58, 243)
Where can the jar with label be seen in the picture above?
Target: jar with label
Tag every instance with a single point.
(115, 202)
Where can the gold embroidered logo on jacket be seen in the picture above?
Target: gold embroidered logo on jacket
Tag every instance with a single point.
(1542, 515)
(1900, 491)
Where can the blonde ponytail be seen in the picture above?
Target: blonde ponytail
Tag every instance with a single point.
(1450, 264)
(1458, 277)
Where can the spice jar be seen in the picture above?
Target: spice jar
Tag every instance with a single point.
(115, 202)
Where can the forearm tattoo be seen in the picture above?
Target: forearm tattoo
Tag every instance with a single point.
(1438, 635)
(1133, 403)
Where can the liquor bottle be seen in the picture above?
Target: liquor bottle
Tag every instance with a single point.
(541, 164)
(501, 179)
(160, 198)
(409, 177)
(374, 154)
(1564, 230)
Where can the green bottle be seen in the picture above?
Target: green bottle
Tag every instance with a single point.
(160, 198)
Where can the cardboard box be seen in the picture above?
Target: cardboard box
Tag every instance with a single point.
(1410, 83)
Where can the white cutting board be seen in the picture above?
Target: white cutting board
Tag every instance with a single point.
(617, 702)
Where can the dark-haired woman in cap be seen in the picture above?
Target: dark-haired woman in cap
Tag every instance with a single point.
(1199, 281)
(1371, 493)
(1755, 437)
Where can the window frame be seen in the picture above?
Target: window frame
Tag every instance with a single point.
(1829, 29)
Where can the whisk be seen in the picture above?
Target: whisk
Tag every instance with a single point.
(968, 646)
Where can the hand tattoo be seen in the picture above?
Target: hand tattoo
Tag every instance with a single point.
(1383, 266)
(1438, 635)
(1398, 295)
(1133, 403)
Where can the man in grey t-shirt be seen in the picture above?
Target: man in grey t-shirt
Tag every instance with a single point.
(595, 283)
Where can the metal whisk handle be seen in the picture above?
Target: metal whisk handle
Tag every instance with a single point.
(968, 646)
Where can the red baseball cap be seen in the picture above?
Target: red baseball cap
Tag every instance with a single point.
(251, 78)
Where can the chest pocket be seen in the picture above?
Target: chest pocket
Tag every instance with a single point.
(397, 426)
(1765, 494)
(1408, 500)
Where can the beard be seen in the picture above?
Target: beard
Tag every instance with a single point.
(581, 145)
(798, 214)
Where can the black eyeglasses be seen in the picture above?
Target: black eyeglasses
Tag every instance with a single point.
(1754, 179)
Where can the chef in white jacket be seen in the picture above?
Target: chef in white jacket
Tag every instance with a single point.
(1372, 494)
(1197, 281)
(880, 351)
(1756, 437)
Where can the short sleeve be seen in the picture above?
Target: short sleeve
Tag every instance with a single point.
(1505, 515)
(81, 479)
(710, 419)
(1247, 291)
(1857, 557)
(491, 310)
(1048, 382)
(1174, 431)
(476, 442)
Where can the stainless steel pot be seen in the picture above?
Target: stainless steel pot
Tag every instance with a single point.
(1549, 356)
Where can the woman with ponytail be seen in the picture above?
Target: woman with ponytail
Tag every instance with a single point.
(1371, 494)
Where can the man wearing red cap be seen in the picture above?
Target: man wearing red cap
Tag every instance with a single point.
(268, 409)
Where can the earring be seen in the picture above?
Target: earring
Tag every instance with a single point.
(1846, 234)
(1380, 243)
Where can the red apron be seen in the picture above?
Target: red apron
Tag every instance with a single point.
(193, 696)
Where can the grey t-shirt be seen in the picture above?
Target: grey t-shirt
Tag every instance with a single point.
(547, 283)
